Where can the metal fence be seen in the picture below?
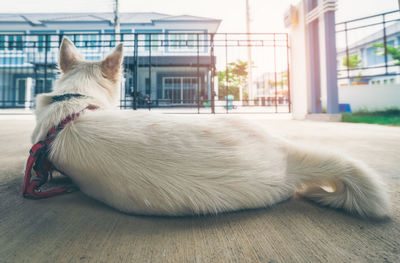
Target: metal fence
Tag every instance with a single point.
(193, 72)
(368, 49)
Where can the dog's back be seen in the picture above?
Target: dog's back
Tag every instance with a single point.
(150, 163)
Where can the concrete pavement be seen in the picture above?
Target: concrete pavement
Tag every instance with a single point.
(75, 228)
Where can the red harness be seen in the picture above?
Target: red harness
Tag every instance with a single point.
(39, 162)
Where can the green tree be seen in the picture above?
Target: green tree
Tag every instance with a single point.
(392, 51)
(232, 89)
(351, 61)
(237, 78)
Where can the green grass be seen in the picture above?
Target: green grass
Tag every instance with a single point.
(384, 117)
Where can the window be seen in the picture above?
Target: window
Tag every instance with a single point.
(43, 42)
(172, 89)
(20, 91)
(147, 86)
(2, 42)
(180, 90)
(19, 43)
(124, 35)
(90, 41)
(144, 36)
(373, 57)
(376, 55)
(41, 88)
(87, 40)
(15, 42)
(153, 43)
(11, 42)
(390, 43)
(186, 41)
(177, 42)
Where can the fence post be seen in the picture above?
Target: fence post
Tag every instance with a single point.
(212, 75)
(149, 95)
(347, 52)
(275, 78)
(45, 63)
(288, 73)
(135, 69)
(227, 74)
(198, 74)
(385, 43)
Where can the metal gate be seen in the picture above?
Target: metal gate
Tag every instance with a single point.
(179, 72)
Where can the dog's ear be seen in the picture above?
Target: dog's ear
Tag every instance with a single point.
(111, 65)
(69, 55)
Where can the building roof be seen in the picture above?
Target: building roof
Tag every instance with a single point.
(37, 19)
(185, 18)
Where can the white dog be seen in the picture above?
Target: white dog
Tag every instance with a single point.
(156, 164)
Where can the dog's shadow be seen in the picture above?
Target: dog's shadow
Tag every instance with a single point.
(101, 214)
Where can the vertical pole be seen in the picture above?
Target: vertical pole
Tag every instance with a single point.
(385, 43)
(212, 75)
(332, 94)
(198, 74)
(135, 71)
(28, 93)
(249, 55)
(45, 63)
(226, 73)
(315, 66)
(149, 95)
(275, 77)
(3, 74)
(288, 73)
(347, 52)
(131, 65)
(60, 38)
(8, 93)
(35, 74)
(116, 22)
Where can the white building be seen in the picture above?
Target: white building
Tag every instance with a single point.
(165, 56)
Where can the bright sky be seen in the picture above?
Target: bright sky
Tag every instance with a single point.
(267, 15)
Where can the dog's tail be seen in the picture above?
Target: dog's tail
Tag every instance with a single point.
(338, 182)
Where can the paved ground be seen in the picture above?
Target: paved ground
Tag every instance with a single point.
(74, 228)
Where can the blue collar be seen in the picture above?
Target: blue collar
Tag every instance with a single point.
(66, 97)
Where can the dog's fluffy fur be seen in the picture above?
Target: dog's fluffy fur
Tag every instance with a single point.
(150, 163)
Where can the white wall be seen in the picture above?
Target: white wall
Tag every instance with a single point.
(370, 97)
(298, 67)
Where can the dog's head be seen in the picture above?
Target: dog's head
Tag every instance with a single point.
(99, 79)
